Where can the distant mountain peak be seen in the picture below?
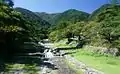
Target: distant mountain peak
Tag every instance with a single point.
(72, 10)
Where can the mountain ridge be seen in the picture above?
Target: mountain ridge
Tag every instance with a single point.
(55, 18)
(31, 17)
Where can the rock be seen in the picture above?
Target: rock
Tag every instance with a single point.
(102, 50)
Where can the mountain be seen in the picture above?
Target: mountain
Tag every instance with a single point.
(71, 15)
(33, 18)
(48, 17)
(109, 13)
(46, 20)
(97, 11)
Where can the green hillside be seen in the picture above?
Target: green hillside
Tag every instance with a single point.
(73, 16)
(70, 15)
(97, 11)
(103, 31)
(51, 18)
(33, 18)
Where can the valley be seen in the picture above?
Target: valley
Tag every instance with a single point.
(72, 41)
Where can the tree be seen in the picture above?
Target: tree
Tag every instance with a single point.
(63, 24)
(114, 1)
(11, 29)
(109, 25)
(56, 35)
(9, 2)
(110, 32)
(1, 1)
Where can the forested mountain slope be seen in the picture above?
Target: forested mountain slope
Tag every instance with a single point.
(103, 30)
(33, 18)
(70, 15)
(73, 16)
(97, 11)
(51, 18)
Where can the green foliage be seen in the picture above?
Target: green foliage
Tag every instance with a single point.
(114, 1)
(109, 27)
(56, 35)
(8, 2)
(29, 69)
(103, 31)
(12, 27)
(29, 15)
(38, 28)
(96, 12)
(17, 28)
(10, 19)
(77, 28)
(60, 31)
(105, 63)
(63, 23)
(71, 15)
(51, 18)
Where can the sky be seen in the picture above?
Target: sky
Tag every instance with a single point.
(56, 6)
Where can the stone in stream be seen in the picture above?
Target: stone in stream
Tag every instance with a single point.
(49, 54)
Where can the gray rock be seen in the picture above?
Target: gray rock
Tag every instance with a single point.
(102, 50)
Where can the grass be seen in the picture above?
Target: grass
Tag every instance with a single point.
(29, 69)
(104, 63)
(60, 45)
(72, 66)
